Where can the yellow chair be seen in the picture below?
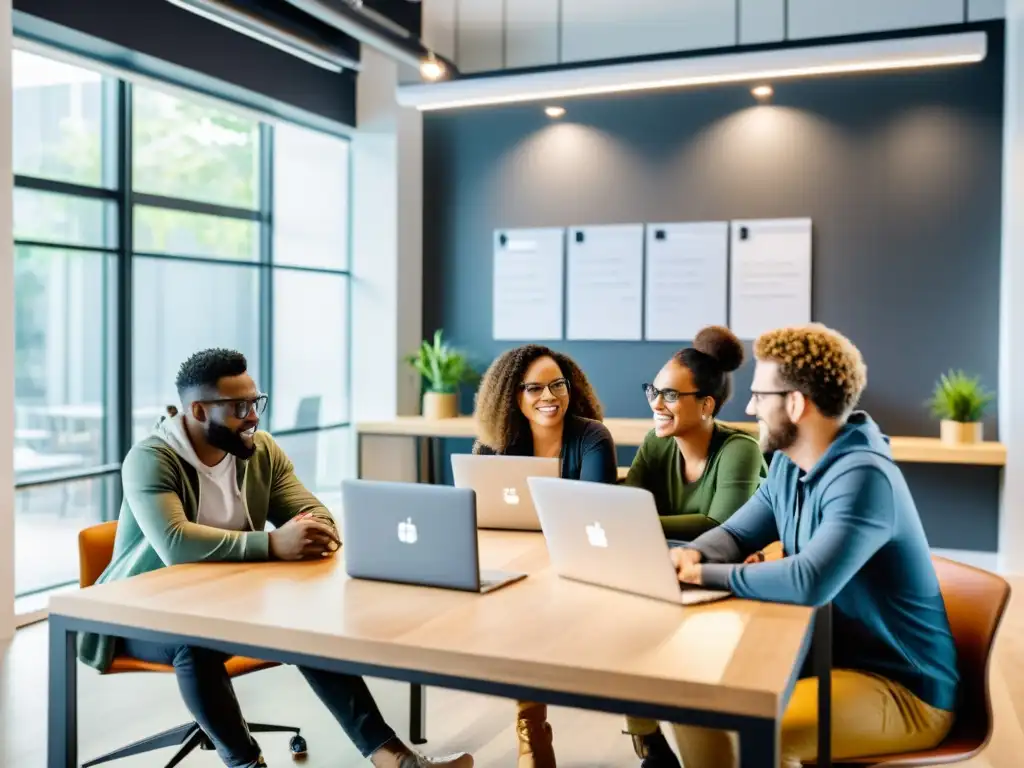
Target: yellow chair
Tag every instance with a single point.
(95, 549)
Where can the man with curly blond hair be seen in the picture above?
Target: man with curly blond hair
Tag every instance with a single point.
(851, 535)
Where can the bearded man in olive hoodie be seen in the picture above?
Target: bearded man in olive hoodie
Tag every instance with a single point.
(201, 488)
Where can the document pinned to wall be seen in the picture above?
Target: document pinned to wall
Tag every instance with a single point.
(770, 278)
(529, 284)
(605, 282)
(686, 282)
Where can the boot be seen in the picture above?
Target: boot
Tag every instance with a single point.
(535, 736)
(654, 751)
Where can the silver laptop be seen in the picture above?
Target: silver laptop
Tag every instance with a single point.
(611, 536)
(502, 496)
(415, 533)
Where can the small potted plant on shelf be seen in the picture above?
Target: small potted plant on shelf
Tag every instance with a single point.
(959, 401)
(443, 369)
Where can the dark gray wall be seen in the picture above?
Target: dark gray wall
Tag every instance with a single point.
(901, 174)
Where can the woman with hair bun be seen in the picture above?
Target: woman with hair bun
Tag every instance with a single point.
(699, 470)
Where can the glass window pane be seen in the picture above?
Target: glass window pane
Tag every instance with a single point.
(321, 460)
(47, 520)
(180, 308)
(194, 150)
(310, 383)
(311, 205)
(63, 360)
(54, 218)
(58, 120)
(160, 230)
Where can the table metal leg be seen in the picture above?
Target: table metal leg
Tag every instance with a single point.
(759, 745)
(822, 649)
(417, 714)
(62, 721)
(417, 708)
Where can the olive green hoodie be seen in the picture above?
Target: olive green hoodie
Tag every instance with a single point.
(157, 524)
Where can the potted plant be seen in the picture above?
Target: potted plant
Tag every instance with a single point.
(959, 401)
(443, 369)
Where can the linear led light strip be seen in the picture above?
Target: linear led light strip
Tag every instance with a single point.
(874, 56)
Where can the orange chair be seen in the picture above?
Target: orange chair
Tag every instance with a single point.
(975, 603)
(95, 549)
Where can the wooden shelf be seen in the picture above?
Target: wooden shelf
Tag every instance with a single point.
(631, 432)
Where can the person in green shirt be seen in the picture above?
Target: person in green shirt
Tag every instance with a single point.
(699, 470)
(201, 489)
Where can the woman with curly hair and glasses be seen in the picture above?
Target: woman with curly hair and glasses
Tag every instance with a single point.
(534, 401)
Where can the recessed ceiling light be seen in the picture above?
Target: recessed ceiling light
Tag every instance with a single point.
(554, 111)
(762, 91)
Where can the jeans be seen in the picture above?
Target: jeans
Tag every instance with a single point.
(210, 697)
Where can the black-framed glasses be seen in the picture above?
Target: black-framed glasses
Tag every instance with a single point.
(756, 394)
(241, 407)
(558, 387)
(668, 395)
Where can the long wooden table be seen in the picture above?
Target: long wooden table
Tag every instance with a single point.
(726, 665)
(631, 432)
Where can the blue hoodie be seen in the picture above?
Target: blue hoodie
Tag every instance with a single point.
(851, 535)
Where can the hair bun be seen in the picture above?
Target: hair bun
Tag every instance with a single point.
(722, 344)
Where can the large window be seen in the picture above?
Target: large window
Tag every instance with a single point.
(149, 225)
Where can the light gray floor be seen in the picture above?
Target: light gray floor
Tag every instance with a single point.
(117, 710)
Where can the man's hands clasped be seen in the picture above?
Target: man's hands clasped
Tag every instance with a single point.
(303, 537)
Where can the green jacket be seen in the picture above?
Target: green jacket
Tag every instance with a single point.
(156, 526)
(734, 470)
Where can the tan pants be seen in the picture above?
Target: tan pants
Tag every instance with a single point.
(870, 716)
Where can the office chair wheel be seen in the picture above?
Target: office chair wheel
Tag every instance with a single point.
(298, 746)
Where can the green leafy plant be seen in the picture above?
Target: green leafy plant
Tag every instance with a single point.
(959, 397)
(442, 367)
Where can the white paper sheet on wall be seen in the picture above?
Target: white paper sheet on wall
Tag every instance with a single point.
(770, 278)
(686, 279)
(605, 282)
(529, 282)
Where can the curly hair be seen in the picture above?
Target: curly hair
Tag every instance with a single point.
(818, 362)
(496, 410)
(207, 367)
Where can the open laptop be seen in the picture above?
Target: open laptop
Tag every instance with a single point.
(611, 536)
(502, 495)
(415, 533)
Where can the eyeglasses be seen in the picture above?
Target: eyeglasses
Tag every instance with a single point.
(668, 395)
(756, 395)
(558, 388)
(242, 407)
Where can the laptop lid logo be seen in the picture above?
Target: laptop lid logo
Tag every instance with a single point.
(596, 535)
(407, 531)
(511, 495)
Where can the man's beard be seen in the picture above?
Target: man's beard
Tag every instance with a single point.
(779, 438)
(228, 440)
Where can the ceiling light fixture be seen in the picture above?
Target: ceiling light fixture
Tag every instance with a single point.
(265, 32)
(858, 57)
(376, 31)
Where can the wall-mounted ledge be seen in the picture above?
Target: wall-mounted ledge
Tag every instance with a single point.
(865, 56)
(631, 432)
